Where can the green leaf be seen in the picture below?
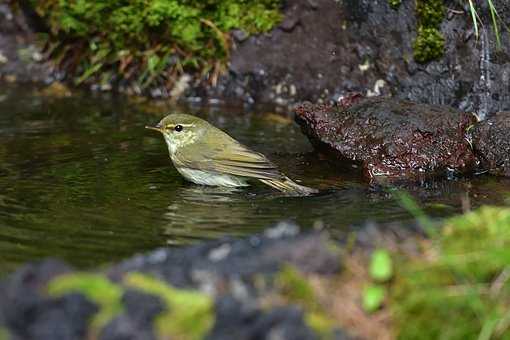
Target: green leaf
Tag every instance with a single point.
(373, 297)
(381, 267)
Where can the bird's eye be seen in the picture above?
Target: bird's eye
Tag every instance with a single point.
(178, 128)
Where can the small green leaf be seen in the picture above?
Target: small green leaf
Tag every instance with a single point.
(381, 267)
(152, 63)
(373, 297)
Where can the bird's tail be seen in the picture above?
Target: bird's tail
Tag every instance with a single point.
(290, 187)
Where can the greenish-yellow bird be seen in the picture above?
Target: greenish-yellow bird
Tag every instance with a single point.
(205, 155)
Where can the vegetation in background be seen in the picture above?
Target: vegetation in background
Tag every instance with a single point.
(148, 41)
(395, 3)
(429, 43)
(462, 277)
(495, 19)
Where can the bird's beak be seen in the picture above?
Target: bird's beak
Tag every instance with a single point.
(157, 128)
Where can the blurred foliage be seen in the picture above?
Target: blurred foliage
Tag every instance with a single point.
(295, 288)
(373, 297)
(381, 271)
(4, 334)
(463, 278)
(148, 40)
(381, 267)
(189, 314)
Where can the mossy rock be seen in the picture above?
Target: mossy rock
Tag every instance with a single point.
(97, 288)
(189, 314)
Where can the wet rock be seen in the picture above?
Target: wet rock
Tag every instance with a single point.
(235, 321)
(243, 258)
(137, 319)
(392, 138)
(28, 314)
(37, 317)
(336, 47)
(491, 142)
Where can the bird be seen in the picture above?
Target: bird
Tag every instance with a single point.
(205, 155)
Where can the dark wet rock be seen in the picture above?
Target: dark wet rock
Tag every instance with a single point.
(491, 142)
(137, 320)
(259, 254)
(226, 270)
(236, 321)
(392, 138)
(335, 47)
(28, 314)
(37, 317)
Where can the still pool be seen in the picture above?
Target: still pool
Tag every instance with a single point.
(82, 180)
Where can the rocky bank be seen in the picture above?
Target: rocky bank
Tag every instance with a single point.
(324, 49)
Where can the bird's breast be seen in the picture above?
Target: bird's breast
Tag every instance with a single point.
(211, 178)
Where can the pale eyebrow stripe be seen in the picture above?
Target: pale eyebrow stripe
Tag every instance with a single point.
(183, 125)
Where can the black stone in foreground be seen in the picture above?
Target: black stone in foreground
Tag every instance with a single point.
(229, 271)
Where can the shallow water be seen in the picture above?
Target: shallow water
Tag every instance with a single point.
(82, 180)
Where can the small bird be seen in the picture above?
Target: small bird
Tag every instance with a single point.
(205, 155)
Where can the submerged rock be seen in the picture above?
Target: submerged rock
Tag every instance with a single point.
(389, 137)
(491, 142)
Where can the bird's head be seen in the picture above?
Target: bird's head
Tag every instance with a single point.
(180, 130)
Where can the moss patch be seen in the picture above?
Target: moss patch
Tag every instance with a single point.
(4, 334)
(465, 280)
(295, 288)
(147, 41)
(97, 288)
(429, 43)
(395, 4)
(189, 314)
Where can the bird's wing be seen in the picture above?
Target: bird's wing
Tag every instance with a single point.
(231, 158)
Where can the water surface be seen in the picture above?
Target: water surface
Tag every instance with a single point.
(82, 180)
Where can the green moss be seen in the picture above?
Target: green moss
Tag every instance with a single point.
(323, 325)
(148, 40)
(465, 282)
(430, 13)
(189, 313)
(96, 288)
(295, 288)
(429, 43)
(395, 4)
(4, 334)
